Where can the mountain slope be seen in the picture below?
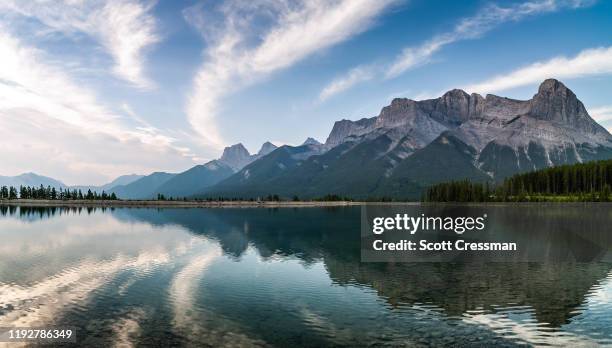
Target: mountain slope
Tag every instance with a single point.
(144, 188)
(30, 179)
(195, 179)
(254, 179)
(122, 180)
(119, 181)
(446, 158)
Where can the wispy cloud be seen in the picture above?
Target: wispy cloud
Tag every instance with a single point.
(254, 39)
(353, 77)
(603, 115)
(125, 28)
(595, 61)
(62, 129)
(473, 27)
(469, 28)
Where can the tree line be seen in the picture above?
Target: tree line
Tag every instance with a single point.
(590, 181)
(51, 193)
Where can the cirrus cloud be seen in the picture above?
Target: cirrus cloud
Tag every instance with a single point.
(125, 28)
(54, 125)
(255, 39)
(468, 28)
(589, 62)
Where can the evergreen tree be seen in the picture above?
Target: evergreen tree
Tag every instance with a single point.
(12, 193)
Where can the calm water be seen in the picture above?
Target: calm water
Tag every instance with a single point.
(292, 277)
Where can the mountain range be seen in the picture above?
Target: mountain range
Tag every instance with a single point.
(413, 144)
(194, 180)
(407, 147)
(35, 180)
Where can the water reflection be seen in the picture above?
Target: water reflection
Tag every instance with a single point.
(256, 277)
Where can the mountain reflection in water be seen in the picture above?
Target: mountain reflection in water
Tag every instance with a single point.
(279, 277)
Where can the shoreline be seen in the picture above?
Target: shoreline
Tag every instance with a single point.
(173, 204)
(252, 204)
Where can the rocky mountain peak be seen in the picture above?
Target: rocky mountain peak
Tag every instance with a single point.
(400, 102)
(311, 141)
(552, 85)
(456, 94)
(346, 128)
(236, 156)
(236, 149)
(557, 103)
(554, 94)
(400, 112)
(456, 105)
(266, 148)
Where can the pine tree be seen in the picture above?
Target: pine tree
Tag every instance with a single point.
(12, 193)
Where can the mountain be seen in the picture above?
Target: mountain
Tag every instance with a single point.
(237, 156)
(266, 148)
(122, 180)
(143, 188)
(503, 137)
(311, 141)
(30, 179)
(407, 147)
(413, 144)
(256, 177)
(195, 179)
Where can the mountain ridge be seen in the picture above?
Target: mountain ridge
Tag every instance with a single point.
(31, 179)
(194, 179)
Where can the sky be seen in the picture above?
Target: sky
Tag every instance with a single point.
(90, 90)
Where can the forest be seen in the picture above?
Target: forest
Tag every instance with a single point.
(51, 193)
(582, 182)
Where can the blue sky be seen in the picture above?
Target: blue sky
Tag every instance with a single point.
(90, 90)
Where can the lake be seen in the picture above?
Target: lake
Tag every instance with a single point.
(294, 277)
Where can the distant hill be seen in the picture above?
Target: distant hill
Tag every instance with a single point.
(143, 188)
(195, 179)
(30, 179)
(122, 180)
